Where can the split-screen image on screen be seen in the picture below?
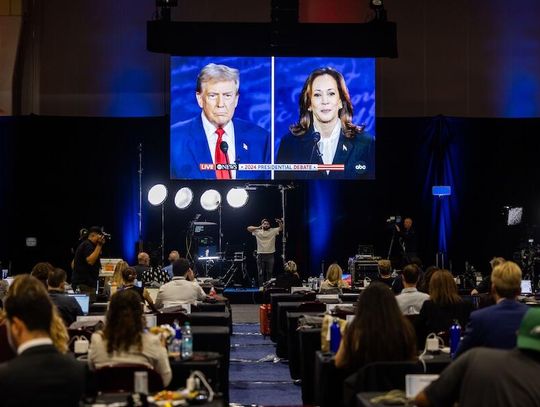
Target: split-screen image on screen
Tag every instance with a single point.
(256, 118)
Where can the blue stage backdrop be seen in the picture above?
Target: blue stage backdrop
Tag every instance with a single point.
(291, 73)
(255, 87)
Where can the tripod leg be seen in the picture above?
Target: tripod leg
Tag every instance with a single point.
(390, 247)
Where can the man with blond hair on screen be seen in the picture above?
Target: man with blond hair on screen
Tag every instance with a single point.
(215, 136)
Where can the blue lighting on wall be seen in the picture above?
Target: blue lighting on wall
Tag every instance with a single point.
(130, 232)
(131, 95)
(321, 213)
(443, 171)
(522, 96)
(128, 208)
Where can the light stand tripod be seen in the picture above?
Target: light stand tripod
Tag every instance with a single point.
(237, 265)
(283, 190)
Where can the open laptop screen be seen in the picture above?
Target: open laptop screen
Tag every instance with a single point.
(83, 300)
(526, 287)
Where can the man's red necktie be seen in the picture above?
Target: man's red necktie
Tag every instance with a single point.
(220, 156)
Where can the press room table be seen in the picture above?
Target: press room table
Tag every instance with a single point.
(209, 363)
(120, 399)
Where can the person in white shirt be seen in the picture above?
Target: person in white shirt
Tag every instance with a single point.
(266, 247)
(410, 300)
(182, 289)
(124, 341)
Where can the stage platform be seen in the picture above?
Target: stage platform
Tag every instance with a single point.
(243, 295)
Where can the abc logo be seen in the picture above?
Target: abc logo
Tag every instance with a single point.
(360, 167)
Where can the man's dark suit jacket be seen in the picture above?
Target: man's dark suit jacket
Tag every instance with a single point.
(494, 327)
(354, 153)
(41, 376)
(189, 148)
(68, 306)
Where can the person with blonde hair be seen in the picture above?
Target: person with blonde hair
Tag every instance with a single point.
(484, 286)
(216, 135)
(443, 308)
(385, 275)
(334, 279)
(116, 281)
(496, 326)
(289, 278)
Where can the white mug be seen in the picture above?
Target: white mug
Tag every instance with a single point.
(81, 345)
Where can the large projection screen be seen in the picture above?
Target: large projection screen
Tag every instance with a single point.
(256, 118)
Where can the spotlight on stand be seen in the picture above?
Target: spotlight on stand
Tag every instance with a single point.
(378, 7)
(157, 194)
(210, 200)
(237, 197)
(183, 198)
(164, 9)
(156, 197)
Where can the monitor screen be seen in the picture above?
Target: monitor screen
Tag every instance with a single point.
(83, 300)
(526, 287)
(266, 118)
(515, 215)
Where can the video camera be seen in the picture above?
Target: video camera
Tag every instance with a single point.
(393, 220)
(84, 233)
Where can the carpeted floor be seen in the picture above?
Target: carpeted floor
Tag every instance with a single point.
(256, 376)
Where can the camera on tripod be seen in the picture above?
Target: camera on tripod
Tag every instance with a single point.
(393, 220)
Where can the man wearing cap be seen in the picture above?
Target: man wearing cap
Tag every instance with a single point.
(182, 289)
(492, 377)
(86, 263)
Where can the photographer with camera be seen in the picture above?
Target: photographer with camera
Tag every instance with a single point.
(86, 263)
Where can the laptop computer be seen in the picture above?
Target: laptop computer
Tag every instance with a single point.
(83, 300)
(526, 287)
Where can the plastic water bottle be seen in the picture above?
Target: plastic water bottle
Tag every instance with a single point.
(187, 345)
(176, 344)
(321, 279)
(455, 337)
(335, 336)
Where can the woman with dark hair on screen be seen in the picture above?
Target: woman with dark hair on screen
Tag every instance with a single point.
(123, 341)
(379, 332)
(325, 133)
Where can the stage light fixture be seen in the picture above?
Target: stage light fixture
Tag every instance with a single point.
(183, 198)
(157, 194)
(237, 197)
(210, 200)
(378, 7)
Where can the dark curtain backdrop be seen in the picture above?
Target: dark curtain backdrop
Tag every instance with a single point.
(59, 174)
